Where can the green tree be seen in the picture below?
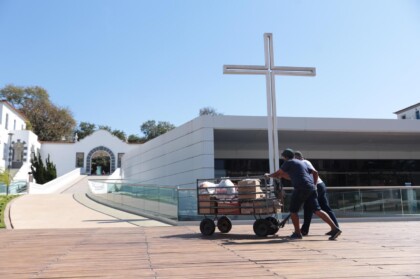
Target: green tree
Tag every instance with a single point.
(50, 170)
(209, 111)
(135, 139)
(43, 173)
(6, 179)
(85, 129)
(28, 125)
(152, 130)
(48, 121)
(19, 96)
(38, 169)
(119, 134)
(105, 127)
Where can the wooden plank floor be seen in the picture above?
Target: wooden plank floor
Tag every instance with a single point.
(364, 250)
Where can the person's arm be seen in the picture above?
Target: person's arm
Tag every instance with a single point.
(280, 174)
(315, 176)
(311, 167)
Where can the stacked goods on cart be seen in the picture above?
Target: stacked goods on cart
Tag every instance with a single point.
(206, 199)
(253, 199)
(250, 189)
(247, 197)
(218, 198)
(227, 198)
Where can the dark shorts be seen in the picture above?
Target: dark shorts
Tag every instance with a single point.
(299, 197)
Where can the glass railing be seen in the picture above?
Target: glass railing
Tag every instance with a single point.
(375, 201)
(345, 201)
(181, 204)
(153, 200)
(16, 187)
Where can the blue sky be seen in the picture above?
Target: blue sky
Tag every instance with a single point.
(121, 63)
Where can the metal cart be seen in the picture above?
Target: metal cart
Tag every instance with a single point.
(217, 198)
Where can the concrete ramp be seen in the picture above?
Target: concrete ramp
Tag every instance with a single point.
(64, 211)
(79, 185)
(57, 211)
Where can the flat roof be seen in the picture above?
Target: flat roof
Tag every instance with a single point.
(315, 124)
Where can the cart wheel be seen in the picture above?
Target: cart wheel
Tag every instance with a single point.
(274, 227)
(224, 224)
(207, 226)
(262, 227)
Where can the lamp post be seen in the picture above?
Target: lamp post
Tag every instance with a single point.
(10, 150)
(9, 166)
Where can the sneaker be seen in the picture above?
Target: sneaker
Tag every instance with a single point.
(295, 236)
(304, 233)
(334, 234)
(329, 233)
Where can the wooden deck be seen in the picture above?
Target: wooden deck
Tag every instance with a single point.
(364, 250)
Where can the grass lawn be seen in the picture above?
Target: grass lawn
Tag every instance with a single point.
(3, 202)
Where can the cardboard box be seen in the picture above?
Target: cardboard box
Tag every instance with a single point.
(258, 207)
(249, 189)
(228, 208)
(206, 204)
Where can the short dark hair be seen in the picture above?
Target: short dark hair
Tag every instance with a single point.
(298, 154)
(288, 153)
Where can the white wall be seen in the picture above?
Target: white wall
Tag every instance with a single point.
(13, 117)
(63, 155)
(326, 138)
(176, 158)
(18, 133)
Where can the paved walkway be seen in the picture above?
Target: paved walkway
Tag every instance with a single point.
(72, 209)
(364, 250)
(61, 211)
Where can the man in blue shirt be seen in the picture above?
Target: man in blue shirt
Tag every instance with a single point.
(302, 178)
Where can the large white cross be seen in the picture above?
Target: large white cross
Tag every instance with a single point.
(270, 71)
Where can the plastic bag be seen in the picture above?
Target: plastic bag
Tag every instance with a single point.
(207, 187)
(226, 190)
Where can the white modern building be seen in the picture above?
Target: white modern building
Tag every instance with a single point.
(345, 151)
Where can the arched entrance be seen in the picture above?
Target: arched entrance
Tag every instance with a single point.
(100, 161)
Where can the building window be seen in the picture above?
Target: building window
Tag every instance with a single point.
(120, 155)
(80, 159)
(14, 124)
(417, 114)
(7, 121)
(335, 172)
(403, 116)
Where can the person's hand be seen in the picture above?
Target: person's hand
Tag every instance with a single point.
(267, 175)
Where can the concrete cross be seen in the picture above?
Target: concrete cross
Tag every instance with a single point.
(270, 71)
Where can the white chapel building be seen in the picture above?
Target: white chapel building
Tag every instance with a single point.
(19, 145)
